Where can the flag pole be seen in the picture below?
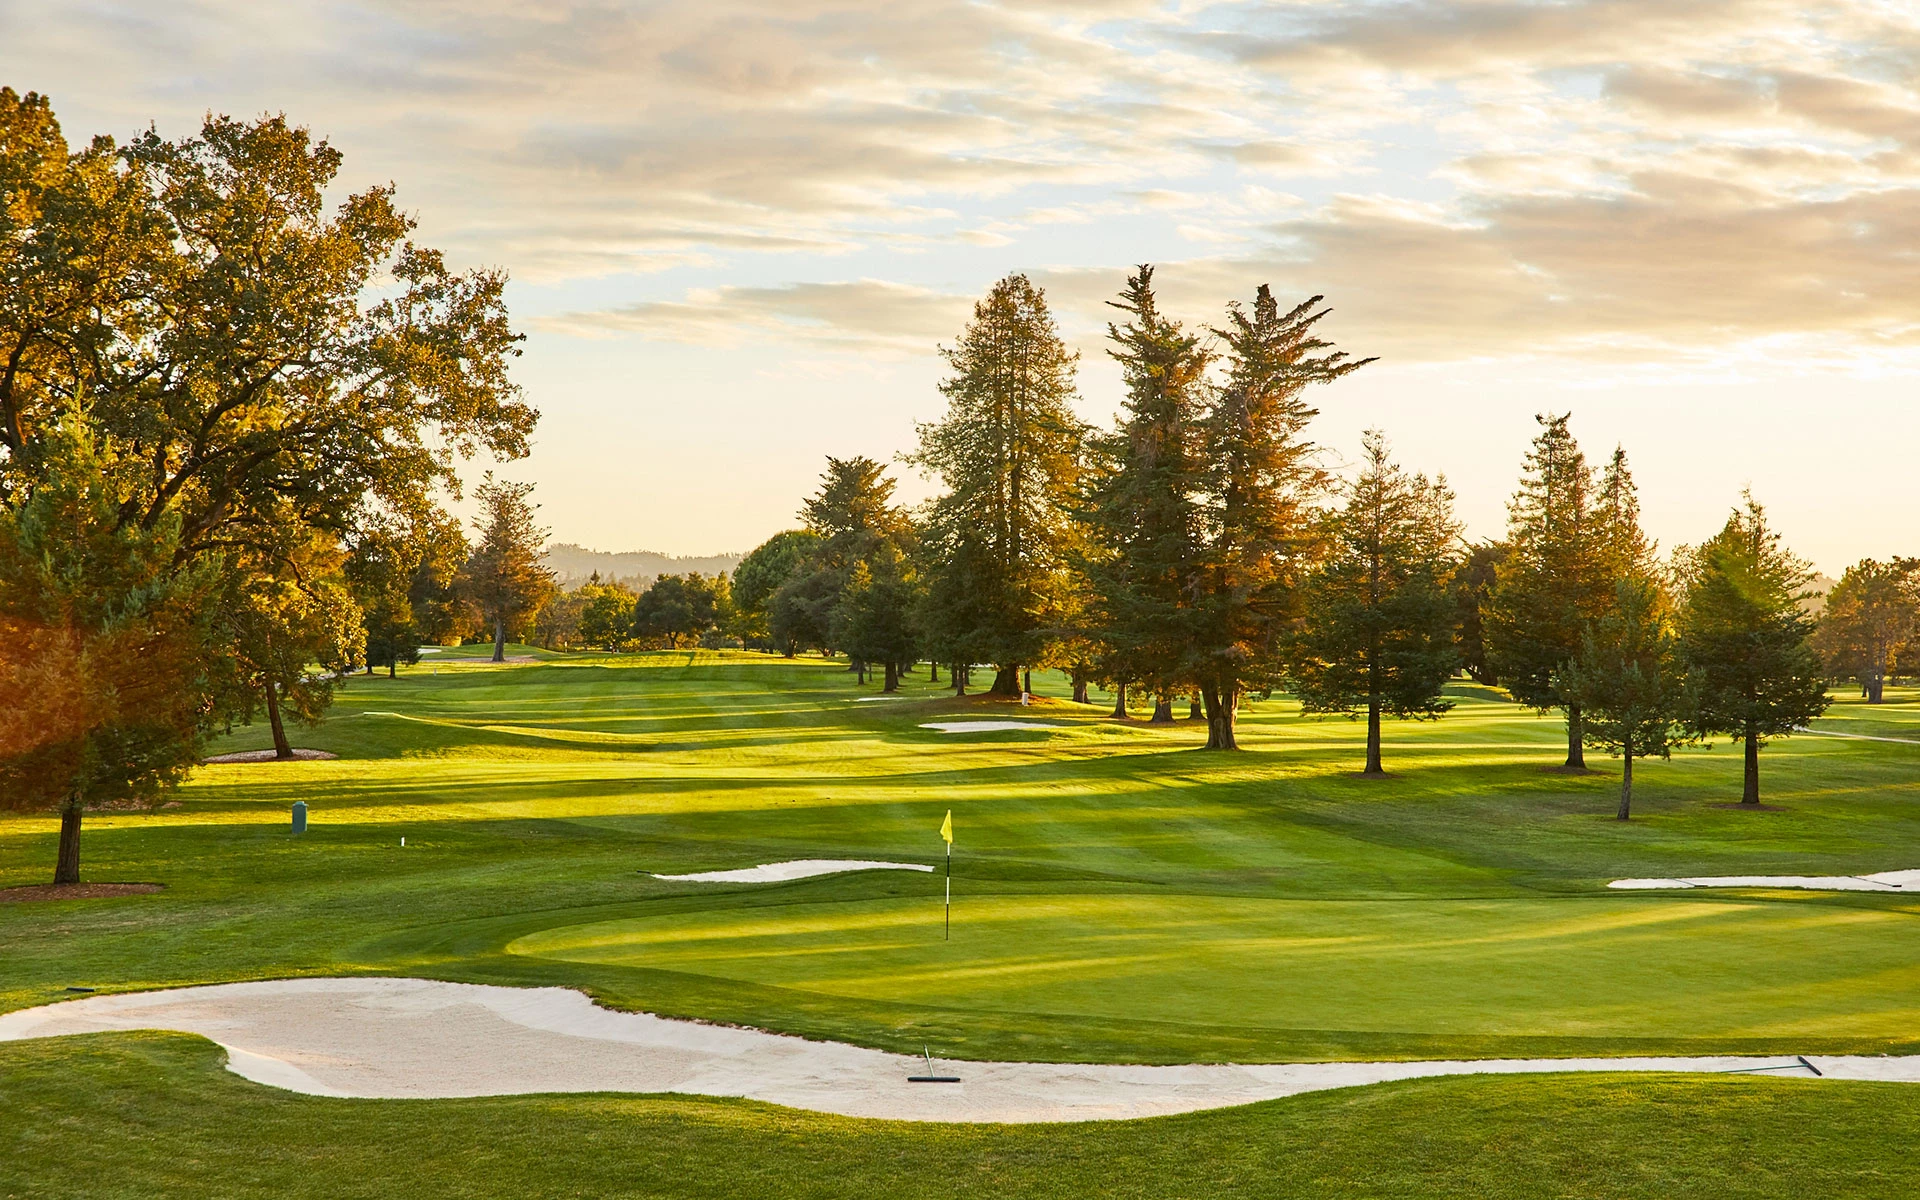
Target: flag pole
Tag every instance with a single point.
(949, 891)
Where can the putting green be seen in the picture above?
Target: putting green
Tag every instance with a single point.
(1605, 966)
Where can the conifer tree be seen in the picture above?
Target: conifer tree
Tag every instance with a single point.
(1377, 633)
(1260, 482)
(1630, 681)
(506, 579)
(1570, 540)
(1144, 509)
(1745, 636)
(1008, 452)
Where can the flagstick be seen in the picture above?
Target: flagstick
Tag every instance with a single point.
(949, 891)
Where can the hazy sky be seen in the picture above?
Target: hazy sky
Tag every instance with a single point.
(738, 229)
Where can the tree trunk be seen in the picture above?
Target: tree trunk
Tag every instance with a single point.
(1080, 687)
(958, 673)
(1576, 740)
(1006, 681)
(1221, 706)
(1373, 738)
(1876, 689)
(1119, 701)
(892, 677)
(1162, 711)
(1026, 681)
(499, 640)
(281, 747)
(1626, 780)
(369, 666)
(393, 668)
(933, 671)
(1196, 710)
(66, 868)
(1750, 793)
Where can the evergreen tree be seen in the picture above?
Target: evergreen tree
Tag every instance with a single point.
(1630, 681)
(1472, 585)
(1260, 481)
(1869, 622)
(1746, 637)
(506, 579)
(1377, 633)
(1008, 453)
(854, 517)
(1144, 508)
(759, 575)
(874, 619)
(1570, 540)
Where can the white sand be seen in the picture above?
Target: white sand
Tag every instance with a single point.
(424, 1038)
(985, 726)
(799, 868)
(1884, 881)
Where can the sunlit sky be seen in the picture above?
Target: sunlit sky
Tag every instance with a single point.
(737, 230)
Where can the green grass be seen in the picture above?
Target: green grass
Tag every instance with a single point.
(152, 1115)
(1119, 894)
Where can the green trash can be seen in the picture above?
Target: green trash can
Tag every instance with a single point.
(299, 816)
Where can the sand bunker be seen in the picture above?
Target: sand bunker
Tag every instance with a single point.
(401, 1038)
(799, 868)
(254, 756)
(1884, 881)
(986, 726)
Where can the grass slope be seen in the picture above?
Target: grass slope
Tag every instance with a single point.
(1120, 895)
(152, 1115)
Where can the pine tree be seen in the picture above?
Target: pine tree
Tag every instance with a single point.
(1008, 453)
(855, 518)
(1744, 634)
(506, 578)
(1569, 543)
(1261, 480)
(1377, 634)
(1630, 681)
(1144, 510)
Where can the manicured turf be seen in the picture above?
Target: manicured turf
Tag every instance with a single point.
(1120, 895)
(152, 1115)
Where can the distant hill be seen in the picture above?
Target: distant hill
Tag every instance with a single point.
(638, 568)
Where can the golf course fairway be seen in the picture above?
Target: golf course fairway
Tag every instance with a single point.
(1119, 896)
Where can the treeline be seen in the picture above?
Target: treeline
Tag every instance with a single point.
(671, 611)
(226, 413)
(1203, 550)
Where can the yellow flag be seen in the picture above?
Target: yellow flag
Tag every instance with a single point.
(946, 828)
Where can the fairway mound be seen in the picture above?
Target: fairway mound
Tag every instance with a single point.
(799, 868)
(254, 756)
(1883, 881)
(972, 726)
(419, 1038)
(73, 891)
